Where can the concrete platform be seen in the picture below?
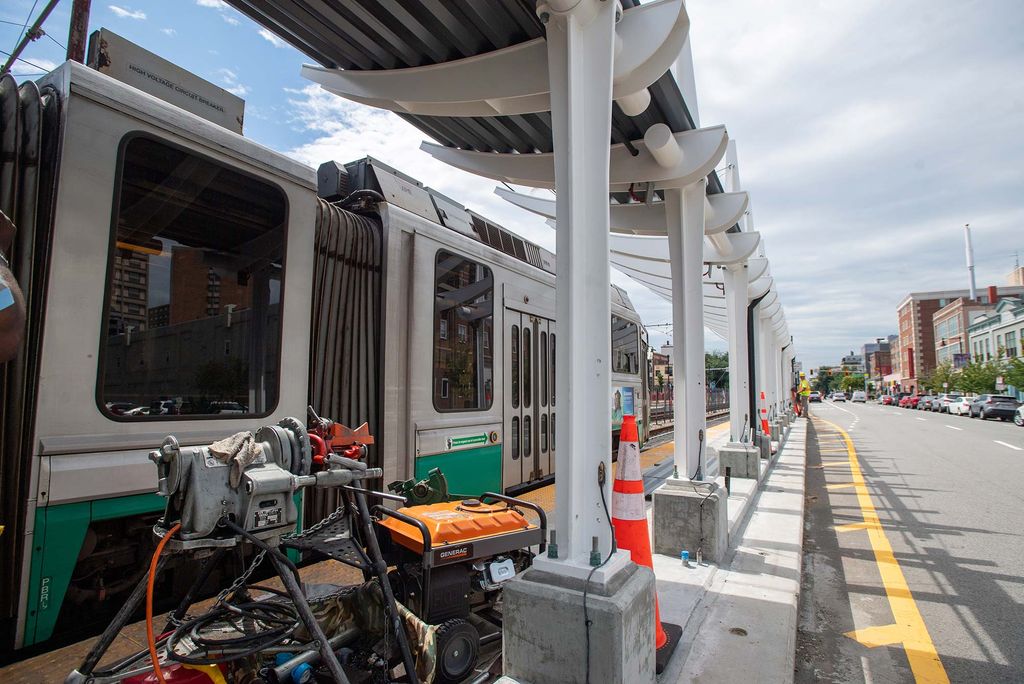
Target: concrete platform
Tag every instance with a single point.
(739, 617)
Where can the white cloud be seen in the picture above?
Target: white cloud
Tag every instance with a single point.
(215, 4)
(125, 13)
(229, 19)
(272, 39)
(21, 68)
(344, 131)
(230, 81)
(168, 31)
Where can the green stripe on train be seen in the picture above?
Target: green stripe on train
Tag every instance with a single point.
(57, 539)
(469, 472)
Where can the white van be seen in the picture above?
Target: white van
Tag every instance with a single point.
(860, 396)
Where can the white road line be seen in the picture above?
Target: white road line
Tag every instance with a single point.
(1015, 448)
(953, 428)
(924, 419)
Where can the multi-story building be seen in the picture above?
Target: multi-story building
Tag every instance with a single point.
(1000, 334)
(950, 324)
(852, 363)
(915, 349)
(661, 367)
(129, 292)
(1016, 276)
(878, 359)
(200, 291)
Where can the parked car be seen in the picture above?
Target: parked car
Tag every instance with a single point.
(941, 403)
(925, 402)
(959, 406)
(1018, 417)
(814, 396)
(998, 406)
(839, 396)
(904, 402)
(227, 407)
(887, 400)
(861, 396)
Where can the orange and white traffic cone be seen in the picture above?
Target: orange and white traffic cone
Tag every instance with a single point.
(764, 416)
(629, 517)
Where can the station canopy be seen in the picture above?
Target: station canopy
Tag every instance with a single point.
(388, 34)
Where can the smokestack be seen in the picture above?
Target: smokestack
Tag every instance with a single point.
(970, 259)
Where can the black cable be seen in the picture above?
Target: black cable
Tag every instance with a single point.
(22, 59)
(586, 585)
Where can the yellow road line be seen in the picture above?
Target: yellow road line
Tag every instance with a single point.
(909, 628)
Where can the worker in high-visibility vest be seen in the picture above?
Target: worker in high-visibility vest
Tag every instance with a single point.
(805, 396)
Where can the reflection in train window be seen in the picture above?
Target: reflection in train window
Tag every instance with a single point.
(515, 366)
(625, 346)
(515, 437)
(552, 369)
(527, 436)
(543, 368)
(193, 313)
(527, 369)
(463, 296)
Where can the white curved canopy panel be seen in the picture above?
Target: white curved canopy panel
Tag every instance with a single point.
(722, 211)
(513, 80)
(701, 149)
(741, 245)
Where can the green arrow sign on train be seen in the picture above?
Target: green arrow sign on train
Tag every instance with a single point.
(465, 441)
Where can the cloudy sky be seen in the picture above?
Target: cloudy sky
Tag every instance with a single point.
(869, 132)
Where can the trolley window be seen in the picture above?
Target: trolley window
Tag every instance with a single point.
(543, 433)
(527, 436)
(464, 297)
(527, 369)
(625, 346)
(515, 438)
(193, 309)
(543, 368)
(552, 369)
(515, 366)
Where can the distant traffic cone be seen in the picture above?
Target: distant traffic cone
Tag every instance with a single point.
(764, 416)
(629, 517)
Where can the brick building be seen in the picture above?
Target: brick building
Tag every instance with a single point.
(951, 322)
(914, 354)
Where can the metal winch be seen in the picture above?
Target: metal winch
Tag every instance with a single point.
(249, 479)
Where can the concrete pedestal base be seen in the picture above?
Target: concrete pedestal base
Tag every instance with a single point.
(776, 431)
(764, 445)
(545, 636)
(743, 459)
(691, 516)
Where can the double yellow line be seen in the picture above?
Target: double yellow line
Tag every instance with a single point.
(908, 628)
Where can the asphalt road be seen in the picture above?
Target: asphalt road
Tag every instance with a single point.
(947, 604)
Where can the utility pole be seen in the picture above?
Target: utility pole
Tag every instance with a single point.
(78, 33)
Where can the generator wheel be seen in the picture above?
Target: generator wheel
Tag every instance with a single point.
(458, 647)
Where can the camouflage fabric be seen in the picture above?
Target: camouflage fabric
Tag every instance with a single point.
(363, 606)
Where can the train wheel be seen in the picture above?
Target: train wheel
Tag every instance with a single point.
(458, 647)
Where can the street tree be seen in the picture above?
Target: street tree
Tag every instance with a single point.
(979, 377)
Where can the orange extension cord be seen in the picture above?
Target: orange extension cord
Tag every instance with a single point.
(150, 638)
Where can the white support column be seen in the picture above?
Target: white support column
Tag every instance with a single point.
(684, 218)
(761, 384)
(580, 43)
(736, 286)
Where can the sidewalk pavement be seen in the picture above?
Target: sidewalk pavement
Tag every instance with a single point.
(740, 618)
